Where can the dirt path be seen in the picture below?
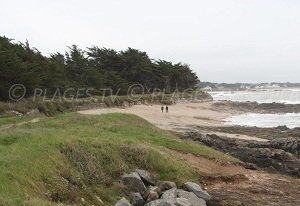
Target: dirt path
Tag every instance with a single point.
(181, 116)
(230, 184)
(19, 124)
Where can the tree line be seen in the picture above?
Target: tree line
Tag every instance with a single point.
(93, 67)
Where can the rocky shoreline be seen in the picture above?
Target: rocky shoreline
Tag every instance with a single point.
(278, 155)
(255, 107)
(264, 133)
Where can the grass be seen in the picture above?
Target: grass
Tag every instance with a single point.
(77, 159)
(14, 120)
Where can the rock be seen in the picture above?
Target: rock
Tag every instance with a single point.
(182, 202)
(197, 190)
(166, 204)
(146, 177)
(150, 190)
(133, 182)
(192, 134)
(280, 153)
(166, 185)
(280, 160)
(152, 195)
(250, 166)
(170, 194)
(137, 199)
(288, 144)
(33, 112)
(155, 189)
(123, 202)
(191, 197)
(161, 202)
(283, 127)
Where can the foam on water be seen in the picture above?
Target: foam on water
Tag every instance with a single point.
(278, 95)
(291, 120)
(287, 96)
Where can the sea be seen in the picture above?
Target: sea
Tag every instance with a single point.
(278, 95)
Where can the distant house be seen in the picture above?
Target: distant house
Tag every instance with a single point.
(207, 89)
(245, 87)
(274, 86)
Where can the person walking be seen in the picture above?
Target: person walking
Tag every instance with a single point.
(162, 109)
(167, 109)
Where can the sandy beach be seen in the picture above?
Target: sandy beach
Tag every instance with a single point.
(181, 116)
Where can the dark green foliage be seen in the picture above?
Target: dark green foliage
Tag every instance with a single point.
(96, 68)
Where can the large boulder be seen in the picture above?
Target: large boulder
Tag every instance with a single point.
(166, 185)
(191, 197)
(137, 199)
(170, 194)
(197, 190)
(146, 177)
(123, 202)
(182, 202)
(161, 202)
(133, 182)
(169, 198)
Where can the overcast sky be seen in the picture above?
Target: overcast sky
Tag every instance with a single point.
(222, 40)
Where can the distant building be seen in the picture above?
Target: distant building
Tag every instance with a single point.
(245, 87)
(207, 89)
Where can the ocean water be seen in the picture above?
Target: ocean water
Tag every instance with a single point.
(291, 120)
(287, 96)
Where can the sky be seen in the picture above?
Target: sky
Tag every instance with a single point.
(222, 40)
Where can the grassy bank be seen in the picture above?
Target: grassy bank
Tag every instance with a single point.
(70, 156)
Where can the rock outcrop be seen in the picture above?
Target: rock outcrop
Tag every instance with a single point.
(288, 144)
(281, 155)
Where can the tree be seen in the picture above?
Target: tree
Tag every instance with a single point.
(95, 68)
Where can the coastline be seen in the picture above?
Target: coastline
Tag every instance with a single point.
(209, 116)
(269, 155)
(180, 115)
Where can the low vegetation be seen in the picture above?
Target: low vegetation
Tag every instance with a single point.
(50, 107)
(75, 159)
